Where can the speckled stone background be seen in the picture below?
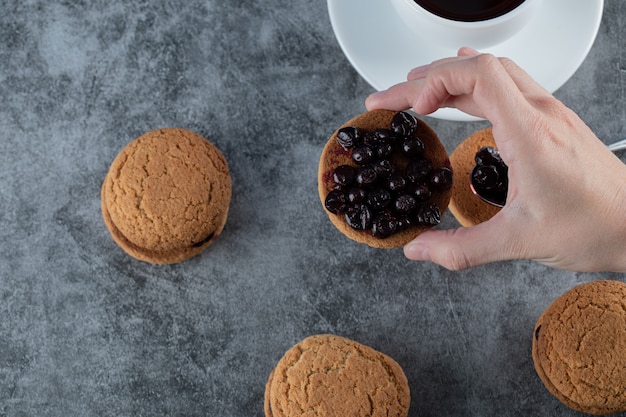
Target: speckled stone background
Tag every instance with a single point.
(87, 331)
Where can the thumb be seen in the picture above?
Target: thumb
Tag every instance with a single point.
(465, 247)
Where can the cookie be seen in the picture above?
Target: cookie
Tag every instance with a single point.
(579, 348)
(166, 196)
(334, 155)
(467, 208)
(327, 375)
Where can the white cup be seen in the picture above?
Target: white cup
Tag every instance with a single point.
(454, 34)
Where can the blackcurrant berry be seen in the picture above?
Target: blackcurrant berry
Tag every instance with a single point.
(349, 137)
(363, 154)
(441, 178)
(418, 171)
(403, 124)
(378, 198)
(413, 147)
(428, 215)
(344, 175)
(359, 217)
(485, 177)
(487, 155)
(405, 204)
(396, 183)
(356, 195)
(383, 226)
(366, 176)
(336, 202)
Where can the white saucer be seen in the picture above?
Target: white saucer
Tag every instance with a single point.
(383, 50)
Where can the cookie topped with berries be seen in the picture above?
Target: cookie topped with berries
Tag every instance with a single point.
(384, 177)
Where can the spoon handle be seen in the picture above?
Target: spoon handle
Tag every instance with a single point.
(619, 145)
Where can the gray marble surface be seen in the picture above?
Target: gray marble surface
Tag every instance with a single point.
(86, 330)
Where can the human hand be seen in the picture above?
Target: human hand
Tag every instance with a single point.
(566, 204)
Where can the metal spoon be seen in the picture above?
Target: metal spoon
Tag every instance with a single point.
(616, 146)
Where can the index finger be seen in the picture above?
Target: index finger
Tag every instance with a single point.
(481, 85)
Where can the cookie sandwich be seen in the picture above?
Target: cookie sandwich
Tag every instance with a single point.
(166, 196)
(327, 375)
(579, 348)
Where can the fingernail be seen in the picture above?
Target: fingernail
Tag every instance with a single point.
(418, 72)
(468, 50)
(375, 94)
(417, 251)
(369, 104)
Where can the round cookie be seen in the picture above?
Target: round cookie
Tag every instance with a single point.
(327, 375)
(579, 348)
(467, 208)
(166, 196)
(334, 155)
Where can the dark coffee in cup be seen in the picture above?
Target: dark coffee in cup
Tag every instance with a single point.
(469, 10)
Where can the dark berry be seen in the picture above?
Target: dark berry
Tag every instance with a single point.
(384, 150)
(413, 147)
(485, 177)
(336, 202)
(383, 168)
(403, 223)
(403, 124)
(344, 175)
(389, 186)
(396, 183)
(503, 184)
(383, 226)
(490, 175)
(363, 154)
(356, 195)
(487, 155)
(421, 192)
(370, 138)
(366, 176)
(378, 199)
(428, 215)
(359, 217)
(418, 171)
(384, 136)
(441, 178)
(405, 204)
(349, 137)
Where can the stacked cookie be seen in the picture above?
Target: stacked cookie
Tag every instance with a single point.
(328, 375)
(579, 348)
(166, 196)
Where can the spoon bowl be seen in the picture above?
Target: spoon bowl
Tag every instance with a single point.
(495, 199)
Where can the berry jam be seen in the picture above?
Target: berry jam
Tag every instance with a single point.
(389, 188)
(490, 175)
